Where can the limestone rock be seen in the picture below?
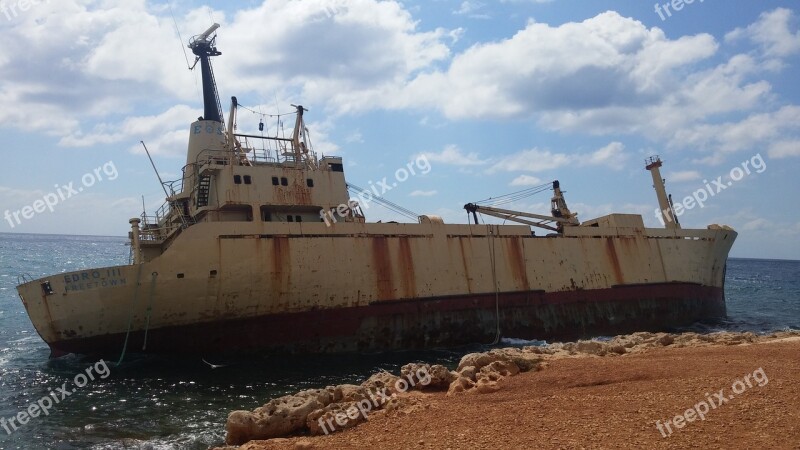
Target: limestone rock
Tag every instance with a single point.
(279, 417)
(460, 385)
(486, 386)
(426, 376)
(524, 360)
(351, 393)
(338, 416)
(501, 368)
(666, 340)
(468, 372)
(381, 380)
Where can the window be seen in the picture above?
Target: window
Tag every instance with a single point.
(247, 179)
(47, 289)
(266, 214)
(289, 218)
(309, 182)
(237, 179)
(336, 167)
(180, 275)
(298, 218)
(275, 181)
(284, 181)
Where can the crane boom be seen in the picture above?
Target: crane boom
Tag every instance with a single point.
(561, 217)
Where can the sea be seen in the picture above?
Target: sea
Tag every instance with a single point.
(152, 402)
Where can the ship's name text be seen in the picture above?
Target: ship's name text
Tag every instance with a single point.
(94, 279)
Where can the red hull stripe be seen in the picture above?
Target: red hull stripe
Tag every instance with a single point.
(432, 322)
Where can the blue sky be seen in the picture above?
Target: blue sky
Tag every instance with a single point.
(497, 95)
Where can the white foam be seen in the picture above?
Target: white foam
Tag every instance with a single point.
(522, 342)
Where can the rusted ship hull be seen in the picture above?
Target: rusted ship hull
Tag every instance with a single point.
(308, 288)
(429, 323)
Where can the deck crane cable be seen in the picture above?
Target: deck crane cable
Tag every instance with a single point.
(133, 310)
(383, 202)
(263, 114)
(525, 191)
(492, 259)
(149, 308)
(516, 196)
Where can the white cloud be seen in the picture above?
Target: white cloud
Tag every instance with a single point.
(537, 160)
(757, 224)
(620, 77)
(751, 133)
(526, 180)
(612, 155)
(85, 61)
(682, 176)
(533, 160)
(419, 193)
(355, 138)
(307, 47)
(614, 63)
(471, 8)
(454, 156)
(772, 33)
(784, 149)
(165, 133)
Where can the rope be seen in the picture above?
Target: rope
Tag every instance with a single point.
(264, 115)
(384, 202)
(518, 195)
(149, 309)
(496, 287)
(130, 319)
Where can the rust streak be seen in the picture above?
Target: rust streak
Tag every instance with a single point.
(612, 253)
(466, 266)
(382, 267)
(407, 277)
(281, 266)
(516, 261)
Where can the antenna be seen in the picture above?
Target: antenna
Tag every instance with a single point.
(204, 37)
(180, 38)
(203, 47)
(156, 170)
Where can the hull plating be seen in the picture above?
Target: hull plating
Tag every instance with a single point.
(368, 287)
(432, 323)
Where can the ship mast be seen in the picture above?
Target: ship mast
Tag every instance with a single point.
(653, 164)
(204, 48)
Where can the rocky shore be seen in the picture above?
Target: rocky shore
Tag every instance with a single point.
(644, 389)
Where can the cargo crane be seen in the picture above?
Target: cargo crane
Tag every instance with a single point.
(561, 215)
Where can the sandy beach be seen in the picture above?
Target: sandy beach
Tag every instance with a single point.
(653, 398)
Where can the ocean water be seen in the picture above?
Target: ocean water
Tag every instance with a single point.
(151, 402)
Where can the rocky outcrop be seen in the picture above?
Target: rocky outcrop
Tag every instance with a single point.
(335, 408)
(433, 377)
(481, 371)
(644, 341)
(279, 417)
(525, 359)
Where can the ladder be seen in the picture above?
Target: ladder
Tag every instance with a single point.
(203, 190)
